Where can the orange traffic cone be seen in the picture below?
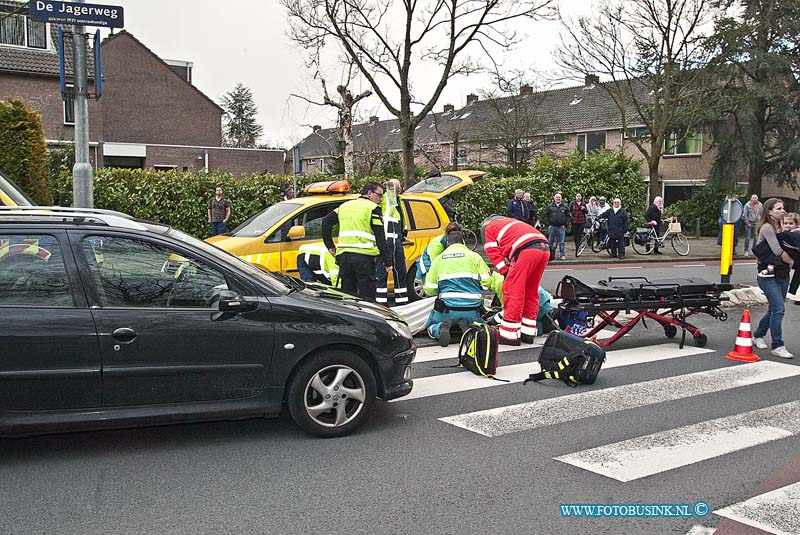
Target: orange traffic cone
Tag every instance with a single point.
(743, 348)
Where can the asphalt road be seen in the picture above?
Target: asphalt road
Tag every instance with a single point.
(640, 435)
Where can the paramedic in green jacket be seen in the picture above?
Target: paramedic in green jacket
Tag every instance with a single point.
(316, 264)
(458, 276)
(361, 241)
(435, 247)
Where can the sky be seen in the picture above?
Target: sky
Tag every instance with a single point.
(245, 41)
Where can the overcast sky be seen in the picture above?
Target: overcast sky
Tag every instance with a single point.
(244, 41)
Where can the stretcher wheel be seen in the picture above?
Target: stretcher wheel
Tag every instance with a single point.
(670, 330)
(701, 340)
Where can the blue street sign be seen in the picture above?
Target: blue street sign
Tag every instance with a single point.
(75, 13)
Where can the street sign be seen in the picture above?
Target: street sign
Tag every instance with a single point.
(76, 13)
(731, 210)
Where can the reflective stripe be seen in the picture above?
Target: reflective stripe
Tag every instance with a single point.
(459, 276)
(381, 300)
(461, 295)
(431, 286)
(510, 325)
(356, 234)
(489, 244)
(401, 299)
(381, 290)
(504, 229)
(319, 272)
(356, 246)
(500, 265)
(391, 235)
(400, 290)
(522, 241)
(508, 335)
(528, 330)
(528, 321)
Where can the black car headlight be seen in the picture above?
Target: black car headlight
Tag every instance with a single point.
(400, 328)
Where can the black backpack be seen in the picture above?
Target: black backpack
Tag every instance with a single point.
(477, 351)
(570, 358)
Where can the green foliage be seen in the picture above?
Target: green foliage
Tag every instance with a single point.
(61, 160)
(240, 129)
(600, 173)
(23, 152)
(703, 205)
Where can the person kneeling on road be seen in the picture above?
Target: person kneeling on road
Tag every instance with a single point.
(316, 264)
(435, 247)
(520, 252)
(458, 276)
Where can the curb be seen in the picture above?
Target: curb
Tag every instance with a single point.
(744, 297)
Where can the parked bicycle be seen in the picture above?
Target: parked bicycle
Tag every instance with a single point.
(470, 238)
(595, 237)
(646, 239)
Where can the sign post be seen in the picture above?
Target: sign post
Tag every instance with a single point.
(730, 212)
(80, 15)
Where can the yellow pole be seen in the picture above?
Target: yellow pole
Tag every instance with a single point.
(726, 253)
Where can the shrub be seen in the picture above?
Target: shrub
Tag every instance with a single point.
(703, 205)
(23, 152)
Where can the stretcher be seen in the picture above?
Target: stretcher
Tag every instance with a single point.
(668, 302)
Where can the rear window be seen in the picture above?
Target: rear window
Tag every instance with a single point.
(434, 184)
(422, 215)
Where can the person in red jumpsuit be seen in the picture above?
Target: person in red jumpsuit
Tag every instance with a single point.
(520, 253)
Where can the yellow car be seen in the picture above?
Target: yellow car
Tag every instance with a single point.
(11, 195)
(272, 237)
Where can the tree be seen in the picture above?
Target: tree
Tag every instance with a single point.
(757, 56)
(345, 105)
(512, 120)
(241, 129)
(23, 151)
(386, 40)
(651, 56)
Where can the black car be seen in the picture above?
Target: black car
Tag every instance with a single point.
(106, 321)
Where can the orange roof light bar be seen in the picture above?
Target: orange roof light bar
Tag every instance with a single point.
(335, 186)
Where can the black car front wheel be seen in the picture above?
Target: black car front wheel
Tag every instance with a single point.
(331, 394)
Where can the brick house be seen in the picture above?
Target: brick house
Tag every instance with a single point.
(561, 121)
(149, 116)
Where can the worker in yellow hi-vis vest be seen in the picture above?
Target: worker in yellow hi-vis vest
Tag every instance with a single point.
(361, 241)
(394, 227)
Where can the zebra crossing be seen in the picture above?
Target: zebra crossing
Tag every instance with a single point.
(638, 457)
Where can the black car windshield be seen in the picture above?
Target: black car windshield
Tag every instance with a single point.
(434, 184)
(264, 220)
(276, 285)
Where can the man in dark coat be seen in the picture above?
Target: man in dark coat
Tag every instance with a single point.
(556, 217)
(653, 218)
(617, 227)
(517, 208)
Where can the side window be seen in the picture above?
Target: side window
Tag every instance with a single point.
(135, 273)
(32, 272)
(422, 215)
(311, 221)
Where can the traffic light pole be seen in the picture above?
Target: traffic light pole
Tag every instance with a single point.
(82, 187)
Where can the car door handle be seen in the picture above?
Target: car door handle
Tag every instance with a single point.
(124, 334)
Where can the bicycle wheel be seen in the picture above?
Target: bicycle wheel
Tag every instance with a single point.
(596, 243)
(643, 248)
(470, 239)
(681, 244)
(584, 244)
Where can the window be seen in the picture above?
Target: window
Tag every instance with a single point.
(164, 168)
(310, 220)
(589, 141)
(638, 132)
(135, 273)
(681, 143)
(18, 30)
(422, 215)
(32, 272)
(555, 139)
(462, 156)
(434, 184)
(69, 105)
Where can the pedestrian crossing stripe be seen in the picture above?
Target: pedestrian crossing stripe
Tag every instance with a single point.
(777, 511)
(463, 381)
(701, 530)
(433, 353)
(531, 415)
(647, 455)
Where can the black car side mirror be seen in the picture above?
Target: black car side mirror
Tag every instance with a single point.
(230, 301)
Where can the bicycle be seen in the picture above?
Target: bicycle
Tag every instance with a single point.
(470, 238)
(646, 239)
(596, 243)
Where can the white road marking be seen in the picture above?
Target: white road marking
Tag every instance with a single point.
(658, 452)
(697, 529)
(560, 269)
(689, 265)
(776, 512)
(626, 267)
(558, 410)
(463, 381)
(431, 353)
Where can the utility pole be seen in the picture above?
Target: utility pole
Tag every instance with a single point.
(82, 187)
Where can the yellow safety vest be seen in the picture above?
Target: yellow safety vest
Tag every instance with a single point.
(355, 227)
(327, 264)
(391, 218)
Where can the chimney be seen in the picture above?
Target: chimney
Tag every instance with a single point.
(373, 119)
(449, 108)
(591, 79)
(472, 97)
(525, 90)
(316, 128)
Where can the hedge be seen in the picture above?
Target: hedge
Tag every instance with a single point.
(23, 152)
(180, 199)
